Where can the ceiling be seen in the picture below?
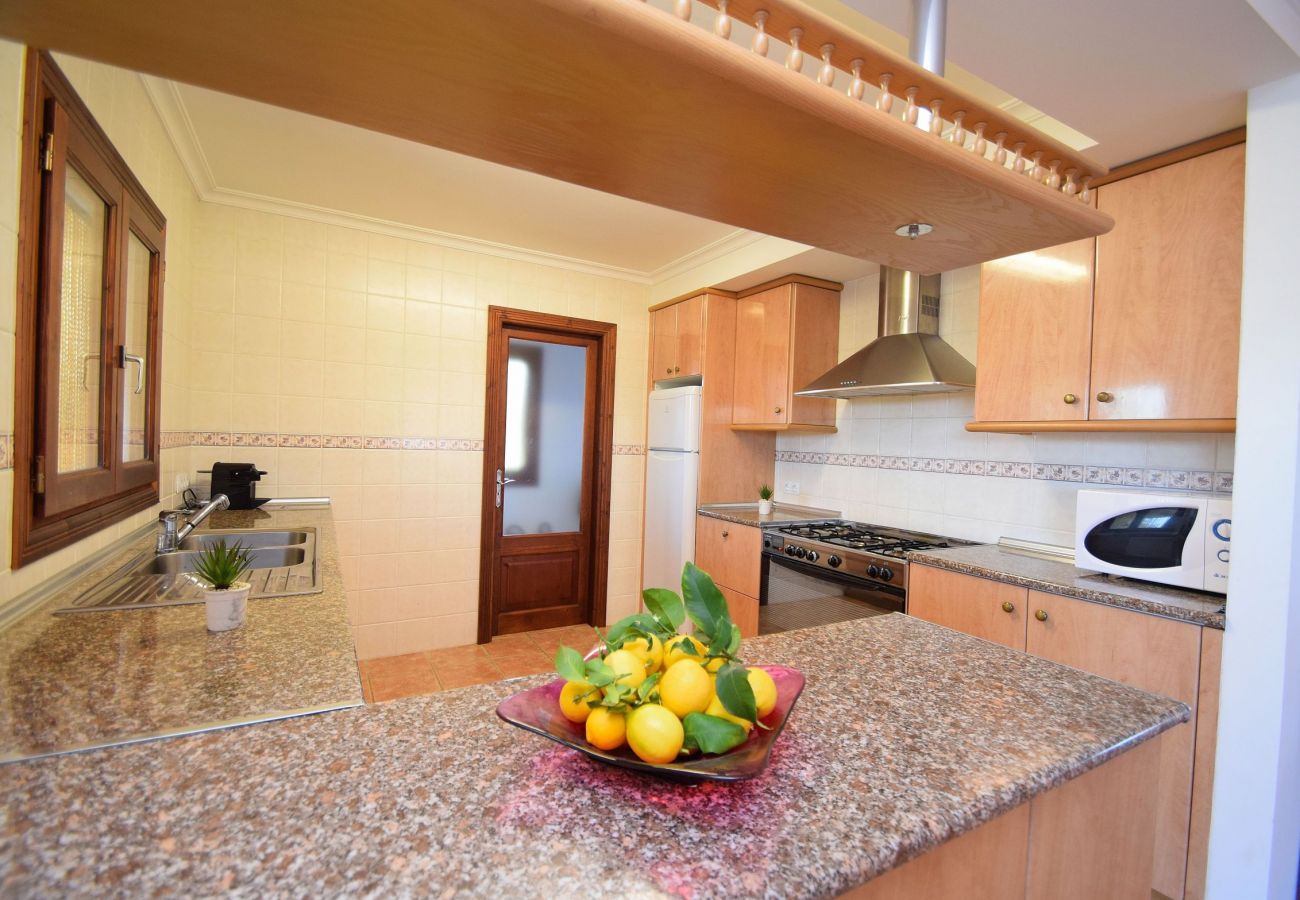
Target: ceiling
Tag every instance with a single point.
(1131, 79)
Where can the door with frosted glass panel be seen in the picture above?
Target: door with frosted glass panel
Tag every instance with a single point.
(542, 482)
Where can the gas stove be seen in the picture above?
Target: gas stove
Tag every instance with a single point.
(868, 554)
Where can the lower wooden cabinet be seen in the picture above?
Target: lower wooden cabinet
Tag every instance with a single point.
(1155, 654)
(732, 556)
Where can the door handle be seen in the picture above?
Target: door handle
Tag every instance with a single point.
(139, 373)
(502, 481)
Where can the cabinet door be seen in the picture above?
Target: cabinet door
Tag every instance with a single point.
(729, 553)
(743, 609)
(975, 606)
(814, 350)
(1167, 305)
(1148, 652)
(1035, 335)
(762, 386)
(690, 337)
(663, 342)
(1207, 728)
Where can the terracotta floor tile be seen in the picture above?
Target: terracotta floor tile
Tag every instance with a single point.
(510, 645)
(395, 688)
(470, 653)
(412, 664)
(534, 664)
(465, 674)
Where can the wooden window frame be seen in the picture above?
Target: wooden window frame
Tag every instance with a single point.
(52, 510)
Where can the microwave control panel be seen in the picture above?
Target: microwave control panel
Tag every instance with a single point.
(1218, 539)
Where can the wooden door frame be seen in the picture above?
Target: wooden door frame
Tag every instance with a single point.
(605, 335)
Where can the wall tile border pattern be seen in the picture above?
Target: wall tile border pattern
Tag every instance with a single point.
(1173, 479)
(174, 439)
(6, 451)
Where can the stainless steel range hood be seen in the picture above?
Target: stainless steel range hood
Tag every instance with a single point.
(909, 357)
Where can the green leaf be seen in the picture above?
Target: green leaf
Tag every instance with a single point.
(665, 606)
(634, 625)
(616, 694)
(705, 605)
(735, 693)
(711, 734)
(644, 689)
(568, 662)
(598, 673)
(734, 644)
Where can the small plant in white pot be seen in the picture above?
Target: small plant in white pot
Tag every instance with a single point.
(765, 500)
(224, 595)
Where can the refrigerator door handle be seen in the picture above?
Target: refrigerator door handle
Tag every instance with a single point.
(502, 481)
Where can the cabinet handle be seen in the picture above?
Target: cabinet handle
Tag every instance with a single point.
(777, 410)
(1008, 606)
(670, 370)
(1105, 397)
(677, 368)
(1070, 398)
(1041, 615)
(725, 534)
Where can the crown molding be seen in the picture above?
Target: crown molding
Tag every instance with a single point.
(170, 106)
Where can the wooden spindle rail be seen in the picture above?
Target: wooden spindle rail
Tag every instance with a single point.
(869, 63)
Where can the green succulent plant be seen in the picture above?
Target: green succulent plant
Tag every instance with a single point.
(765, 492)
(221, 566)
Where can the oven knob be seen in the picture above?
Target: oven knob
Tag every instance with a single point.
(833, 561)
(812, 556)
(789, 551)
(873, 571)
(886, 573)
(800, 552)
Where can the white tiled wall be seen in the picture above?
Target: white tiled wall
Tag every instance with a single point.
(979, 507)
(120, 105)
(311, 333)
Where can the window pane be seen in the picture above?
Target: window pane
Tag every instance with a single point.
(546, 394)
(135, 383)
(81, 305)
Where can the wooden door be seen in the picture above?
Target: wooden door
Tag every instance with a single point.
(690, 337)
(548, 439)
(1166, 310)
(663, 342)
(1148, 652)
(1035, 335)
(762, 385)
(986, 609)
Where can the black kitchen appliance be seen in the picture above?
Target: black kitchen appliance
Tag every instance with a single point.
(238, 482)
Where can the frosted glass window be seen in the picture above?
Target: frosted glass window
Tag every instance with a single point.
(546, 394)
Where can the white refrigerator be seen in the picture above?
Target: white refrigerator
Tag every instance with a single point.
(671, 485)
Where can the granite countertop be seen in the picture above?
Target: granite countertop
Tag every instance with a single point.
(907, 734)
(1059, 577)
(781, 514)
(101, 678)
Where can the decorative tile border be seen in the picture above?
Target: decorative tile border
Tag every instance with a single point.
(1176, 479)
(628, 450)
(174, 439)
(6, 451)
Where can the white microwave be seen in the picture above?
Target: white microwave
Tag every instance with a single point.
(1167, 538)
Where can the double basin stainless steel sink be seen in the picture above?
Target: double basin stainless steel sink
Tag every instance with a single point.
(284, 564)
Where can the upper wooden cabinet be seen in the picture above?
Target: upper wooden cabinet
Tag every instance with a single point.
(1135, 330)
(677, 339)
(787, 334)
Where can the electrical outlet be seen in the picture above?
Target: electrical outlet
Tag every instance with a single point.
(790, 487)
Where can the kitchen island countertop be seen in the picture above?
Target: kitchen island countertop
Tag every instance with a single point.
(907, 734)
(102, 678)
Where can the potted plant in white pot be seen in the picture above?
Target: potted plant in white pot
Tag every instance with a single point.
(224, 595)
(765, 500)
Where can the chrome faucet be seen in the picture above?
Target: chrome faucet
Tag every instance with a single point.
(170, 536)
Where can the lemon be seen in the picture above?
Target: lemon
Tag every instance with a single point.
(674, 652)
(764, 691)
(651, 652)
(685, 688)
(573, 700)
(717, 709)
(713, 665)
(654, 733)
(629, 670)
(606, 728)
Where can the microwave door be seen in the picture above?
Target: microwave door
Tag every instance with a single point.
(1155, 543)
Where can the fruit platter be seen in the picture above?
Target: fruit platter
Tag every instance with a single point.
(652, 698)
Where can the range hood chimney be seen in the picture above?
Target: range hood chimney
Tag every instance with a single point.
(909, 357)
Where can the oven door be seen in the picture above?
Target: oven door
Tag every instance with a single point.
(794, 594)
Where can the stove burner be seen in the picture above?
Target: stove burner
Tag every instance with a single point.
(859, 537)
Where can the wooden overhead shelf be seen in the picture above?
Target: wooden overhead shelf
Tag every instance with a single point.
(1195, 426)
(609, 94)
